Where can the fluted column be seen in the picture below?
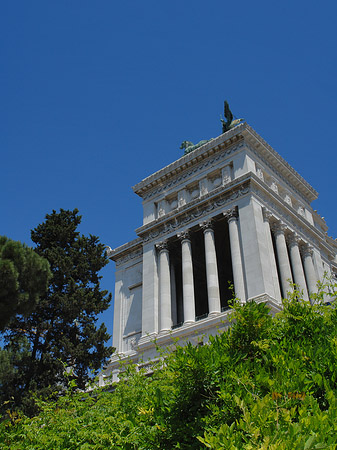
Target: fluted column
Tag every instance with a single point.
(213, 290)
(188, 281)
(296, 264)
(282, 257)
(239, 284)
(164, 287)
(309, 269)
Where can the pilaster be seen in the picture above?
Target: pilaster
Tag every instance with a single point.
(255, 249)
(150, 292)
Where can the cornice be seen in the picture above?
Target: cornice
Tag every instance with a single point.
(222, 147)
(276, 162)
(127, 251)
(171, 173)
(196, 210)
(286, 213)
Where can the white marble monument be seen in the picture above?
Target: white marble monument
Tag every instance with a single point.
(232, 210)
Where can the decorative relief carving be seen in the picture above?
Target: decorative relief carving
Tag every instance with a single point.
(232, 213)
(181, 198)
(176, 180)
(274, 186)
(279, 228)
(129, 256)
(267, 215)
(287, 199)
(226, 175)
(301, 211)
(293, 239)
(184, 235)
(162, 246)
(203, 187)
(306, 250)
(206, 225)
(282, 213)
(284, 180)
(133, 344)
(259, 173)
(196, 213)
(161, 208)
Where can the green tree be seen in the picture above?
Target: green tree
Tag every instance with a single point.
(24, 277)
(62, 332)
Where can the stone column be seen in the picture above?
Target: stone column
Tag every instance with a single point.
(164, 287)
(214, 305)
(309, 268)
(188, 281)
(268, 217)
(296, 264)
(282, 257)
(239, 284)
(174, 313)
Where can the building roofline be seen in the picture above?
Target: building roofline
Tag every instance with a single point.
(240, 132)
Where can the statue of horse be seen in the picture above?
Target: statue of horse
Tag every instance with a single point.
(189, 146)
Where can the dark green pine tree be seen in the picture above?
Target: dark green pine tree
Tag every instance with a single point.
(24, 277)
(62, 332)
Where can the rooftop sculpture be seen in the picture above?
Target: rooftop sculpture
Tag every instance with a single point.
(229, 123)
(226, 126)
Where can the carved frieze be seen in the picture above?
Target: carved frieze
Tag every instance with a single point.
(129, 256)
(195, 213)
(306, 229)
(195, 169)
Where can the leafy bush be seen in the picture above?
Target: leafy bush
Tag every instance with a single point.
(266, 383)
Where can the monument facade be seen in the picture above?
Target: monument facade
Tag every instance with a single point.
(231, 211)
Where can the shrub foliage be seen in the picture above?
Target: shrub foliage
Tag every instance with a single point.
(266, 383)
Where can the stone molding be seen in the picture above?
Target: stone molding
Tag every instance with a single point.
(222, 147)
(297, 222)
(275, 162)
(127, 252)
(196, 168)
(196, 212)
(199, 158)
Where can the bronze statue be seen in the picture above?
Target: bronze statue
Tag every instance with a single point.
(230, 123)
(226, 125)
(189, 146)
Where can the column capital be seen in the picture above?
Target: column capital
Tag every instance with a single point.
(306, 250)
(231, 213)
(162, 246)
(293, 239)
(184, 235)
(279, 228)
(206, 225)
(267, 215)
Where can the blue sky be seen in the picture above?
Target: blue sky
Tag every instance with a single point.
(97, 95)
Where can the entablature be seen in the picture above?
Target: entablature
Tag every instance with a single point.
(126, 252)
